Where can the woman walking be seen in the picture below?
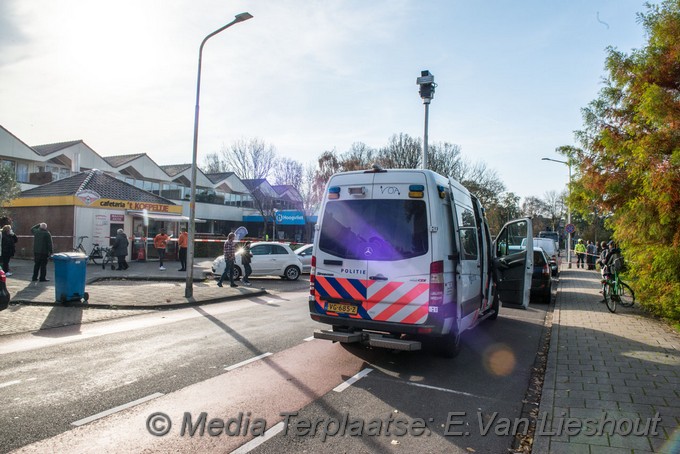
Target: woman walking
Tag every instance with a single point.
(120, 249)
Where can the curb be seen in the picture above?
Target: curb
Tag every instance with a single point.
(214, 300)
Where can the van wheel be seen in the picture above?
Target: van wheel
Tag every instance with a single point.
(450, 345)
(292, 273)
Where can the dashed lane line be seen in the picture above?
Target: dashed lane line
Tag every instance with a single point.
(111, 411)
(16, 382)
(248, 361)
(257, 441)
(350, 381)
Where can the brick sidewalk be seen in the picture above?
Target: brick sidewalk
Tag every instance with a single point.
(605, 366)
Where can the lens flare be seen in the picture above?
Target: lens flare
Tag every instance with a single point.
(499, 360)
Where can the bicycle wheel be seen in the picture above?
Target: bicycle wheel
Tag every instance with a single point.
(94, 255)
(610, 298)
(626, 295)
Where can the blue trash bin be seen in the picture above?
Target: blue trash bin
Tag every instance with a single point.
(69, 276)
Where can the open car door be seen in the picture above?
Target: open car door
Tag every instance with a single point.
(514, 262)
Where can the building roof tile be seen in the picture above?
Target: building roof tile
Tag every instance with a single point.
(117, 161)
(106, 186)
(47, 149)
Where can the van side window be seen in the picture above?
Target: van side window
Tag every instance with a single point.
(468, 233)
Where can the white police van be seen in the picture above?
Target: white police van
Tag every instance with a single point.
(404, 256)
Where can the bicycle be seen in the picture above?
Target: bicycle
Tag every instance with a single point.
(96, 253)
(80, 248)
(616, 291)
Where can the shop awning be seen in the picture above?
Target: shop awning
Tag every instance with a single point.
(161, 216)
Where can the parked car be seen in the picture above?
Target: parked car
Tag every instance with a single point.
(541, 280)
(550, 248)
(305, 253)
(553, 235)
(4, 293)
(269, 259)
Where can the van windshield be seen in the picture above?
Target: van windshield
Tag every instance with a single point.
(377, 230)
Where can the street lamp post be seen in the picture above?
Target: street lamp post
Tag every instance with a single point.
(275, 211)
(568, 164)
(189, 290)
(427, 86)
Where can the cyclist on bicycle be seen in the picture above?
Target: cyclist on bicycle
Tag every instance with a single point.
(606, 261)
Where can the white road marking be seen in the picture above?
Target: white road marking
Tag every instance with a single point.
(9, 383)
(248, 361)
(16, 382)
(447, 390)
(310, 338)
(257, 441)
(349, 382)
(115, 409)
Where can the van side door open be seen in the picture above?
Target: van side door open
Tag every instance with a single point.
(514, 262)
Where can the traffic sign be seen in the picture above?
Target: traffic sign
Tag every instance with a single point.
(570, 228)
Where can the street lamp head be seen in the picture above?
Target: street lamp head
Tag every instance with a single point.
(243, 16)
(555, 160)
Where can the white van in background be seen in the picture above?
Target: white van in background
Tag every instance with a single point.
(550, 249)
(553, 236)
(404, 255)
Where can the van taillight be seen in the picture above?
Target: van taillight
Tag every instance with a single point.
(546, 270)
(312, 276)
(2, 276)
(436, 283)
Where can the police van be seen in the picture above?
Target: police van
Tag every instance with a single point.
(405, 256)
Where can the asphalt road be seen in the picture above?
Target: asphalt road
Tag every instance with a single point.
(178, 359)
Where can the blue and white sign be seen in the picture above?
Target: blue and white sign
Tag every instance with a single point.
(290, 218)
(284, 217)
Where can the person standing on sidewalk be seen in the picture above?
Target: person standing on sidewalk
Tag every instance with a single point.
(160, 242)
(592, 255)
(120, 249)
(580, 250)
(246, 255)
(182, 243)
(42, 249)
(229, 256)
(8, 240)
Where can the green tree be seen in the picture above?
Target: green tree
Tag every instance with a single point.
(629, 163)
(502, 211)
(9, 188)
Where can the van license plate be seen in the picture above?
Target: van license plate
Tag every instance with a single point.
(342, 308)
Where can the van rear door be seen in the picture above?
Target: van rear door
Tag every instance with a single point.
(514, 262)
(341, 276)
(372, 259)
(399, 266)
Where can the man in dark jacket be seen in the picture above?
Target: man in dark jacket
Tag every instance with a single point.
(42, 249)
(120, 249)
(8, 240)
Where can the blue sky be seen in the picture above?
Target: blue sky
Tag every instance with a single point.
(312, 75)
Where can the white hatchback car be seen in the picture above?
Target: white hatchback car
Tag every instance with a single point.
(269, 258)
(305, 254)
